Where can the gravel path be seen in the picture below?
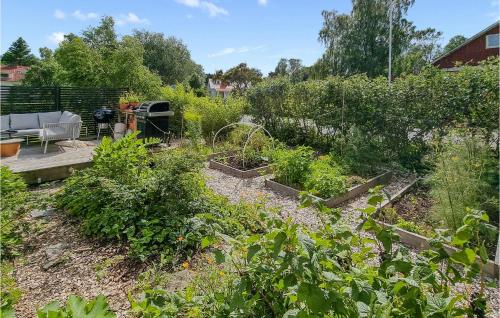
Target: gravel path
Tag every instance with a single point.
(252, 190)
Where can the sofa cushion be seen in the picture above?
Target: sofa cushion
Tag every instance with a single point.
(66, 117)
(49, 118)
(75, 119)
(4, 122)
(27, 132)
(24, 121)
(55, 132)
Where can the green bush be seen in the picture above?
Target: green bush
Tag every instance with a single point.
(163, 210)
(14, 194)
(325, 180)
(77, 307)
(291, 167)
(358, 116)
(215, 112)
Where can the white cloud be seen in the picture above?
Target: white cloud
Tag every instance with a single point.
(212, 9)
(231, 50)
(84, 16)
(262, 2)
(59, 14)
(189, 16)
(56, 37)
(130, 18)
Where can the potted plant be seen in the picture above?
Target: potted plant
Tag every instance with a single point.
(133, 100)
(123, 102)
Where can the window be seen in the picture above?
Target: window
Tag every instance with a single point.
(492, 41)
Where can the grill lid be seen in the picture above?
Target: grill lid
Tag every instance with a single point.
(154, 106)
(103, 115)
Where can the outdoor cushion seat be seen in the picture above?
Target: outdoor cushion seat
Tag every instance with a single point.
(27, 132)
(4, 122)
(50, 117)
(54, 133)
(24, 121)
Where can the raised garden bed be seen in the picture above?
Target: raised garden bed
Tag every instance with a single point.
(418, 241)
(229, 165)
(338, 200)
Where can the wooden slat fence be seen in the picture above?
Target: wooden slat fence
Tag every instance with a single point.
(79, 100)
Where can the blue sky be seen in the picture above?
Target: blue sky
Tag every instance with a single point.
(223, 33)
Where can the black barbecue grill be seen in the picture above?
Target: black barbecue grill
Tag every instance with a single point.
(103, 118)
(152, 119)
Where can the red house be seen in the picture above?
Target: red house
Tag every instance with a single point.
(479, 47)
(11, 75)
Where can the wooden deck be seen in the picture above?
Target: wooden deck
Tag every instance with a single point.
(58, 163)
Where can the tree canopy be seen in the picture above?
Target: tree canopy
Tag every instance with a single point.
(96, 58)
(291, 68)
(454, 42)
(169, 57)
(19, 53)
(241, 76)
(358, 42)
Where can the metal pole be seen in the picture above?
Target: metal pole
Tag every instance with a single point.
(391, 9)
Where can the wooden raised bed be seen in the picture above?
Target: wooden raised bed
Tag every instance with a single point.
(335, 201)
(420, 242)
(221, 154)
(244, 174)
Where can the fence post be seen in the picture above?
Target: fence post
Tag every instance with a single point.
(57, 97)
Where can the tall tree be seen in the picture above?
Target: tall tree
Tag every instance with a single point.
(242, 76)
(19, 53)
(454, 42)
(46, 72)
(359, 42)
(169, 57)
(291, 68)
(102, 38)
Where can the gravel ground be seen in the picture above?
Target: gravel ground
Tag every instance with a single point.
(254, 189)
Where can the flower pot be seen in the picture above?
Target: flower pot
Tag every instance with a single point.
(133, 104)
(123, 106)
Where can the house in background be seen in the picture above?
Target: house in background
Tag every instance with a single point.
(477, 48)
(218, 88)
(12, 75)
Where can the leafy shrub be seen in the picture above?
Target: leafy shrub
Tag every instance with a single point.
(292, 167)
(164, 210)
(215, 112)
(193, 127)
(292, 272)
(360, 116)
(326, 180)
(13, 192)
(77, 307)
(9, 294)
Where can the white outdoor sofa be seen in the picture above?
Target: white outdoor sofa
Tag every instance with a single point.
(46, 126)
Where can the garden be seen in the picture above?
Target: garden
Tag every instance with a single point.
(340, 168)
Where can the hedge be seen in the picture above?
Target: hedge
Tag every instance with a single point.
(358, 116)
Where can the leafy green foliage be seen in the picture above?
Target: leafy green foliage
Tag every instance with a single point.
(13, 191)
(215, 112)
(9, 293)
(319, 176)
(170, 58)
(292, 167)
(158, 204)
(367, 123)
(325, 180)
(19, 53)
(334, 272)
(77, 307)
(465, 176)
